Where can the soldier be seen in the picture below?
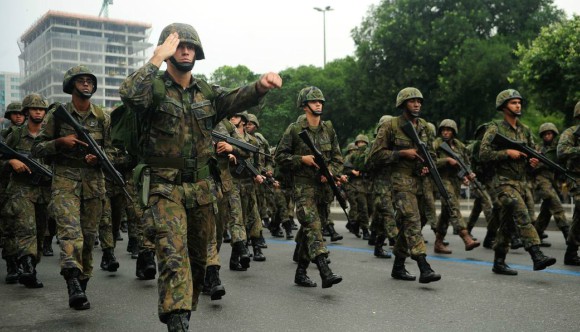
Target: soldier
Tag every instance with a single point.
(179, 162)
(360, 184)
(294, 156)
(569, 151)
(545, 185)
(78, 185)
(448, 168)
(351, 225)
(29, 194)
(395, 149)
(510, 185)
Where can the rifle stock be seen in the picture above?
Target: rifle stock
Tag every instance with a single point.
(465, 170)
(38, 170)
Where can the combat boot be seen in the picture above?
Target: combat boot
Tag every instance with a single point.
(109, 261)
(545, 244)
(28, 276)
(489, 239)
(296, 254)
(288, 229)
(178, 321)
(12, 270)
(244, 254)
(145, 267)
(355, 229)
(133, 247)
(235, 257)
(325, 232)
(399, 272)
(227, 237)
(117, 236)
(334, 236)
(366, 234)
(216, 289)
(372, 239)
(565, 231)
(571, 255)
(258, 255)
(379, 251)
(260, 241)
(275, 229)
(427, 273)
(500, 267)
(439, 247)
(541, 261)
(76, 296)
(47, 246)
(301, 278)
(470, 244)
(328, 278)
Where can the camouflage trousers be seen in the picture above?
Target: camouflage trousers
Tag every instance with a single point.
(280, 210)
(482, 202)
(29, 220)
(363, 207)
(551, 206)
(213, 249)
(450, 213)
(10, 247)
(352, 202)
(383, 221)
(250, 207)
(428, 210)
(574, 236)
(308, 213)
(516, 203)
(106, 226)
(410, 239)
(179, 219)
(230, 214)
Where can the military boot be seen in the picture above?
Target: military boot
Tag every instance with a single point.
(244, 254)
(500, 267)
(366, 234)
(260, 241)
(178, 321)
(427, 273)
(328, 278)
(334, 236)
(76, 296)
(288, 229)
(117, 236)
(439, 247)
(541, 261)
(372, 238)
(235, 264)
(379, 251)
(470, 244)
(545, 244)
(145, 267)
(109, 261)
(325, 232)
(47, 246)
(28, 276)
(565, 231)
(296, 254)
(258, 255)
(489, 239)
(133, 247)
(571, 255)
(301, 278)
(399, 272)
(355, 229)
(227, 237)
(12, 270)
(275, 229)
(216, 289)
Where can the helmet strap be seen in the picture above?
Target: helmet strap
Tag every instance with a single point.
(82, 94)
(315, 113)
(182, 66)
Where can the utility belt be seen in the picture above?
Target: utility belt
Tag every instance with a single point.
(511, 175)
(190, 170)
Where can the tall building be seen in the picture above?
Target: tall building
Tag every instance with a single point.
(111, 48)
(9, 90)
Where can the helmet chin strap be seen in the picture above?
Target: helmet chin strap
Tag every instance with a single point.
(315, 113)
(517, 115)
(83, 95)
(413, 114)
(182, 66)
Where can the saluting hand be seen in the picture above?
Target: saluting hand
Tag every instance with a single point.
(165, 50)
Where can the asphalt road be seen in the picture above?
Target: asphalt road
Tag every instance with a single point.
(469, 296)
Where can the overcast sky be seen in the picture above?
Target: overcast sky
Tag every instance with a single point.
(264, 35)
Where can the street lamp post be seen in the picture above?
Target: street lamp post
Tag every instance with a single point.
(324, 10)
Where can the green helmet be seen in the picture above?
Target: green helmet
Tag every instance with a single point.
(548, 126)
(72, 73)
(406, 94)
(351, 147)
(506, 95)
(14, 107)
(34, 100)
(243, 115)
(187, 34)
(362, 138)
(577, 110)
(480, 131)
(431, 127)
(448, 123)
(253, 118)
(384, 118)
(307, 94)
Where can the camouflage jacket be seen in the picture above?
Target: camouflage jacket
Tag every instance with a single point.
(266, 163)
(549, 150)
(356, 160)
(505, 169)
(569, 151)
(291, 149)
(448, 172)
(390, 140)
(243, 173)
(224, 127)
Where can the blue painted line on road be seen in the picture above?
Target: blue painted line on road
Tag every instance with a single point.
(446, 259)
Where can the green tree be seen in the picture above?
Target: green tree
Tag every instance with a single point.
(232, 77)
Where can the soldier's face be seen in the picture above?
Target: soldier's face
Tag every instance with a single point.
(315, 106)
(514, 106)
(236, 120)
(447, 133)
(414, 106)
(548, 136)
(185, 52)
(251, 127)
(17, 118)
(36, 115)
(360, 143)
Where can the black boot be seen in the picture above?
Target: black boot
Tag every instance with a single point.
(545, 244)
(500, 267)
(325, 232)
(379, 251)
(296, 255)
(216, 289)
(145, 267)
(373, 238)
(399, 272)
(133, 247)
(301, 278)
(288, 229)
(565, 231)
(328, 278)
(117, 236)
(334, 236)
(488, 240)
(258, 255)
(47, 246)
(12, 270)
(571, 255)
(366, 234)
(427, 273)
(235, 257)
(109, 261)
(227, 237)
(260, 241)
(28, 276)
(76, 296)
(275, 229)
(244, 254)
(541, 261)
(355, 229)
(178, 321)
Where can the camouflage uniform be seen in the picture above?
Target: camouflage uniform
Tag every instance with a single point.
(183, 195)
(361, 185)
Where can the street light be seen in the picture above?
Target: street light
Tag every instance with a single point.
(326, 9)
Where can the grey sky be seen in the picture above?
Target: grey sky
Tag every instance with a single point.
(264, 35)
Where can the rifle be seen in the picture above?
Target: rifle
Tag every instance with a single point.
(465, 170)
(246, 164)
(319, 159)
(409, 130)
(503, 142)
(217, 137)
(39, 171)
(63, 115)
